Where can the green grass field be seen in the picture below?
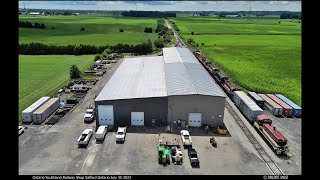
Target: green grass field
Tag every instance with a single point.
(99, 30)
(260, 55)
(45, 75)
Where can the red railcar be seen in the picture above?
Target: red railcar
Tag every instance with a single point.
(287, 110)
(229, 88)
(276, 135)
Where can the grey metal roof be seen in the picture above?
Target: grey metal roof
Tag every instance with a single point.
(177, 72)
(136, 78)
(185, 75)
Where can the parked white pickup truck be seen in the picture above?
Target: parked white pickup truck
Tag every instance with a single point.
(84, 138)
(121, 134)
(186, 138)
(89, 115)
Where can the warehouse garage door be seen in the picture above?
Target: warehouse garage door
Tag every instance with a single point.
(137, 118)
(194, 120)
(105, 114)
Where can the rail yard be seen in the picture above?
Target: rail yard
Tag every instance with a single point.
(170, 112)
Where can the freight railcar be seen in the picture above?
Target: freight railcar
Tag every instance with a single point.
(274, 137)
(287, 110)
(229, 88)
(254, 96)
(296, 112)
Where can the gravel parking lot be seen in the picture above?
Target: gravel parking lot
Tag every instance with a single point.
(45, 149)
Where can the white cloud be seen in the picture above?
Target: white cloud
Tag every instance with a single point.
(168, 5)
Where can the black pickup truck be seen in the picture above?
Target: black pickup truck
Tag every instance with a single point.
(194, 161)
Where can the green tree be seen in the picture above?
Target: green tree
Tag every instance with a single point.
(82, 29)
(190, 41)
(97, 57)
(105, 53)
(192, 33)
(121, 30)
(159, 43)
(74, 72)
(149, 48)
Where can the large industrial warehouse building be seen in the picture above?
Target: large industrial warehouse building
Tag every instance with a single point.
(161, 90)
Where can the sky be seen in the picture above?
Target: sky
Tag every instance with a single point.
(166, 5)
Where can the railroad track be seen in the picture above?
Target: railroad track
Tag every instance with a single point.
(266, 158)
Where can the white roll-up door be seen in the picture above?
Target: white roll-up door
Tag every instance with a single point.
(137, 118)
(194, 120)
(105, 114)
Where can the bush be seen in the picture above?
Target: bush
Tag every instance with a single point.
(202, 44)
(167, 39)
(75, 72)
(121, 30)
(148, 30)
(190, 41)
(159, 43)
(52, 27)
(82, 29)
(97, 57)
(42, 26)
(192, 33)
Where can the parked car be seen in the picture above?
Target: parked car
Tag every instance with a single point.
(85, 137)
(121, 134)
(193, 156)
(21, 130)
(101, 133)
(186, 138)
(89, 115)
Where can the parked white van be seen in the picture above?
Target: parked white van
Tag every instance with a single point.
(101, 132)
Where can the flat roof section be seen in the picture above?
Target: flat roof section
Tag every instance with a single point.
(136, 78)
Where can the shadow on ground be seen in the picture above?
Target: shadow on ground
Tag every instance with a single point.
(162, 129)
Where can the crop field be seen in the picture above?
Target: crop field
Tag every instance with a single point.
(259, 55)
(45, 75)
(99, 30)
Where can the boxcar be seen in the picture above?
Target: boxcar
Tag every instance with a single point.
(271, 106)
(257, 99)
(296, 110)
(247, 106)
(287, 110)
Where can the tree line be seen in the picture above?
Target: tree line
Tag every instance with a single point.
(148, 14)
(290, 15)
(28, 24)
(44, 49)
(164, 34)
(223, 14)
